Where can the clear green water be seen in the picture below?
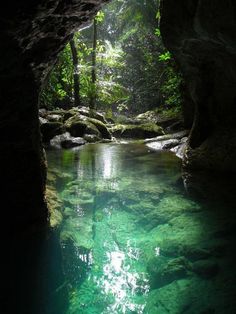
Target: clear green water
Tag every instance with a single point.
(135, 241)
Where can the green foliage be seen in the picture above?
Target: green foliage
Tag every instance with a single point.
(165, 56)
(171, 86)
(134, 71)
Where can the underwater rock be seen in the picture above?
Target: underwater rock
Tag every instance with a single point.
(191, 252)
(54, 205)
(163, 271)
(180, 296)
(205, 268)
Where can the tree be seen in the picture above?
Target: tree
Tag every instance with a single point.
(93, 73)
(75, 61)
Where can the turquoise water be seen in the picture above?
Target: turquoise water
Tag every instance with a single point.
(138, 237)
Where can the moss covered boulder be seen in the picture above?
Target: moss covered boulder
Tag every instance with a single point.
(78, 125)
(141, 131)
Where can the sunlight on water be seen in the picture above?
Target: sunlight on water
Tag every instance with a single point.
(132, 241)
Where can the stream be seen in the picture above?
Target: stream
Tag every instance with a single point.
(136, 239)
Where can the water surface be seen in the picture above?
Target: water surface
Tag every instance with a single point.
(134, 240)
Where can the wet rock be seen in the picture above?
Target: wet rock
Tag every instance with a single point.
(55, 118)
(206, 269)
(163, 271)
(91, 138)
(181, 296)
(65, 140)
(178, 135)
(42, 120)
(163, 144)
(191, 252)
(180, 149)
(54, 206)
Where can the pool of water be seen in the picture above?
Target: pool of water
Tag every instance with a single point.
(139, 237)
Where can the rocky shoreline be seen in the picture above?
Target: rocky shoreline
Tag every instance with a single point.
(63, 129)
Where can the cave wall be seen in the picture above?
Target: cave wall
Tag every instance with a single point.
(32, 32)
(201, 36)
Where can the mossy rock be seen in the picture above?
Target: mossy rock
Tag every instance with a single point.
(142, 131)
(51, 129)
(101, 127)
(54, 206)
(206, 268)
(85, 111)
(92, 113)
(163, 271)
(91, 138)
(79, 125)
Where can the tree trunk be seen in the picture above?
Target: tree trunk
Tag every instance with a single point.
(76, 73)
(93, 74)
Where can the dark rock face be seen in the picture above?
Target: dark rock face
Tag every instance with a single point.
(201, 37)
(32, 34)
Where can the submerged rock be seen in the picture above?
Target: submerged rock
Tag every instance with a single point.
(205, 268)
(173, 248)
(163, 271)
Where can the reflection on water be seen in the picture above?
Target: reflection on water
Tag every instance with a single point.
(133, 241)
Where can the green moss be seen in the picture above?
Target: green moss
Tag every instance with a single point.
(142, 131)
(54, 206)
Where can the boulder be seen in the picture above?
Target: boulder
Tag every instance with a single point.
(91, 138)
(55, 117)
(159, 145)
(101, 127)
(51, 129)
(163, 271)
(65, 140)
(136, 131)
(206, 269)
(79, 125)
